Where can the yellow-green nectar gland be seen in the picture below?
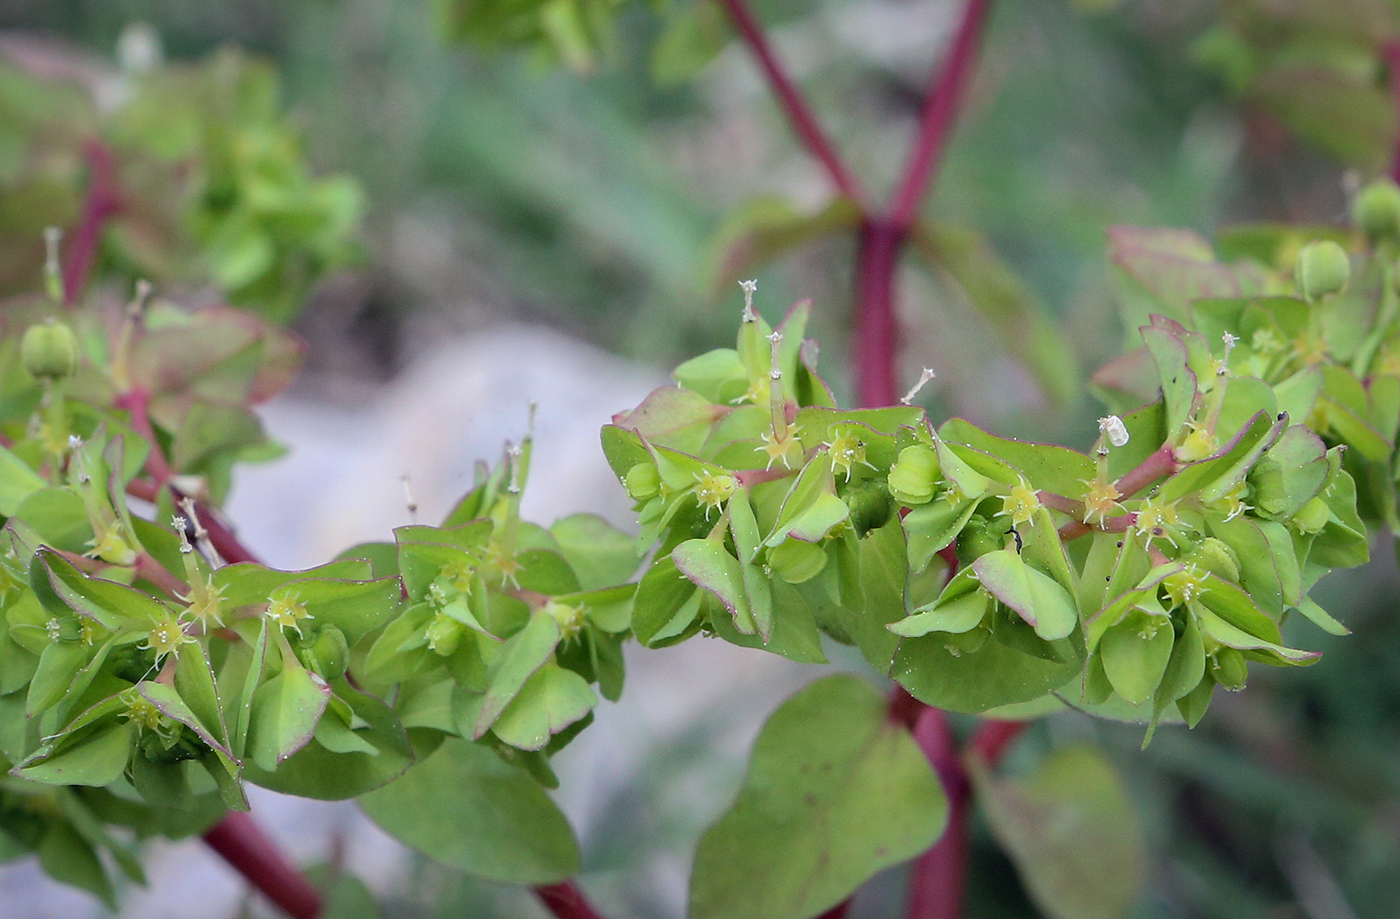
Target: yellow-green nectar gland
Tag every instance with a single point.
(503, 560)
(287, 612)
(111, 546)
(1100, 499)
(713, 490)
(846, 450)
(90, 632)
(140, 711)
(1021, 504)
(1185, 586)
(569, 617)
(778, 446)
(1155, 517)
(166, 637)
(1232, 504)
(1199, 443)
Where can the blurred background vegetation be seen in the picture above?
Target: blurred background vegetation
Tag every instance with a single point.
(608, 198)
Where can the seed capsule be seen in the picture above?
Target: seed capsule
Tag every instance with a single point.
(330, 652)
(1376, 210)
(914, 474)
(50, 351)
(1323, 269)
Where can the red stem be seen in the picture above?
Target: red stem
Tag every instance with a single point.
(137, 401)
(102, 202)
(1161, 462)
(940, 874)
(1390, 51)
(566, 901)
(792, 102)
(244, 846)
(940, 111)
(877, 327)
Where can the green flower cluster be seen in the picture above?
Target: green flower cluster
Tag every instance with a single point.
(983, 572)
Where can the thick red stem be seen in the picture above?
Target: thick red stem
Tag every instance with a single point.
(940, 112)
(244, 846)
(940, 874)
(1390, 51)
(566, 901)
(102, 202)
(877, 328)
(804, 124)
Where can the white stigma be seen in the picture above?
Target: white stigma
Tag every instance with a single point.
(924, 377)
(749, 287)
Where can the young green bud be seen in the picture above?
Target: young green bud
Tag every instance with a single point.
(1313, 517)
(444, 633)
(1323, 269)
(914, 474)
(796, 561)
(869, 502)
(1376, 210)
(50, 351)
(329, 654)
(642, 481)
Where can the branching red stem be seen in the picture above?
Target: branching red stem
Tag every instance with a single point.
(1160, 463)
(244, 846)
(877, 328)
(1390, 51)
(804, 124)
(940, 111)
(101, 203)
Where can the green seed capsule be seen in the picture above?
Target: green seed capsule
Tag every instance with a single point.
(914, 475)
(796, 561)
(642, 481)
(50, 351)
(1376, 210)
(1323, 269)
(1229, 669)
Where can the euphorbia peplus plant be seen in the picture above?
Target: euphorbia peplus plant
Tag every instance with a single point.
(151, 667)
(145, 680)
